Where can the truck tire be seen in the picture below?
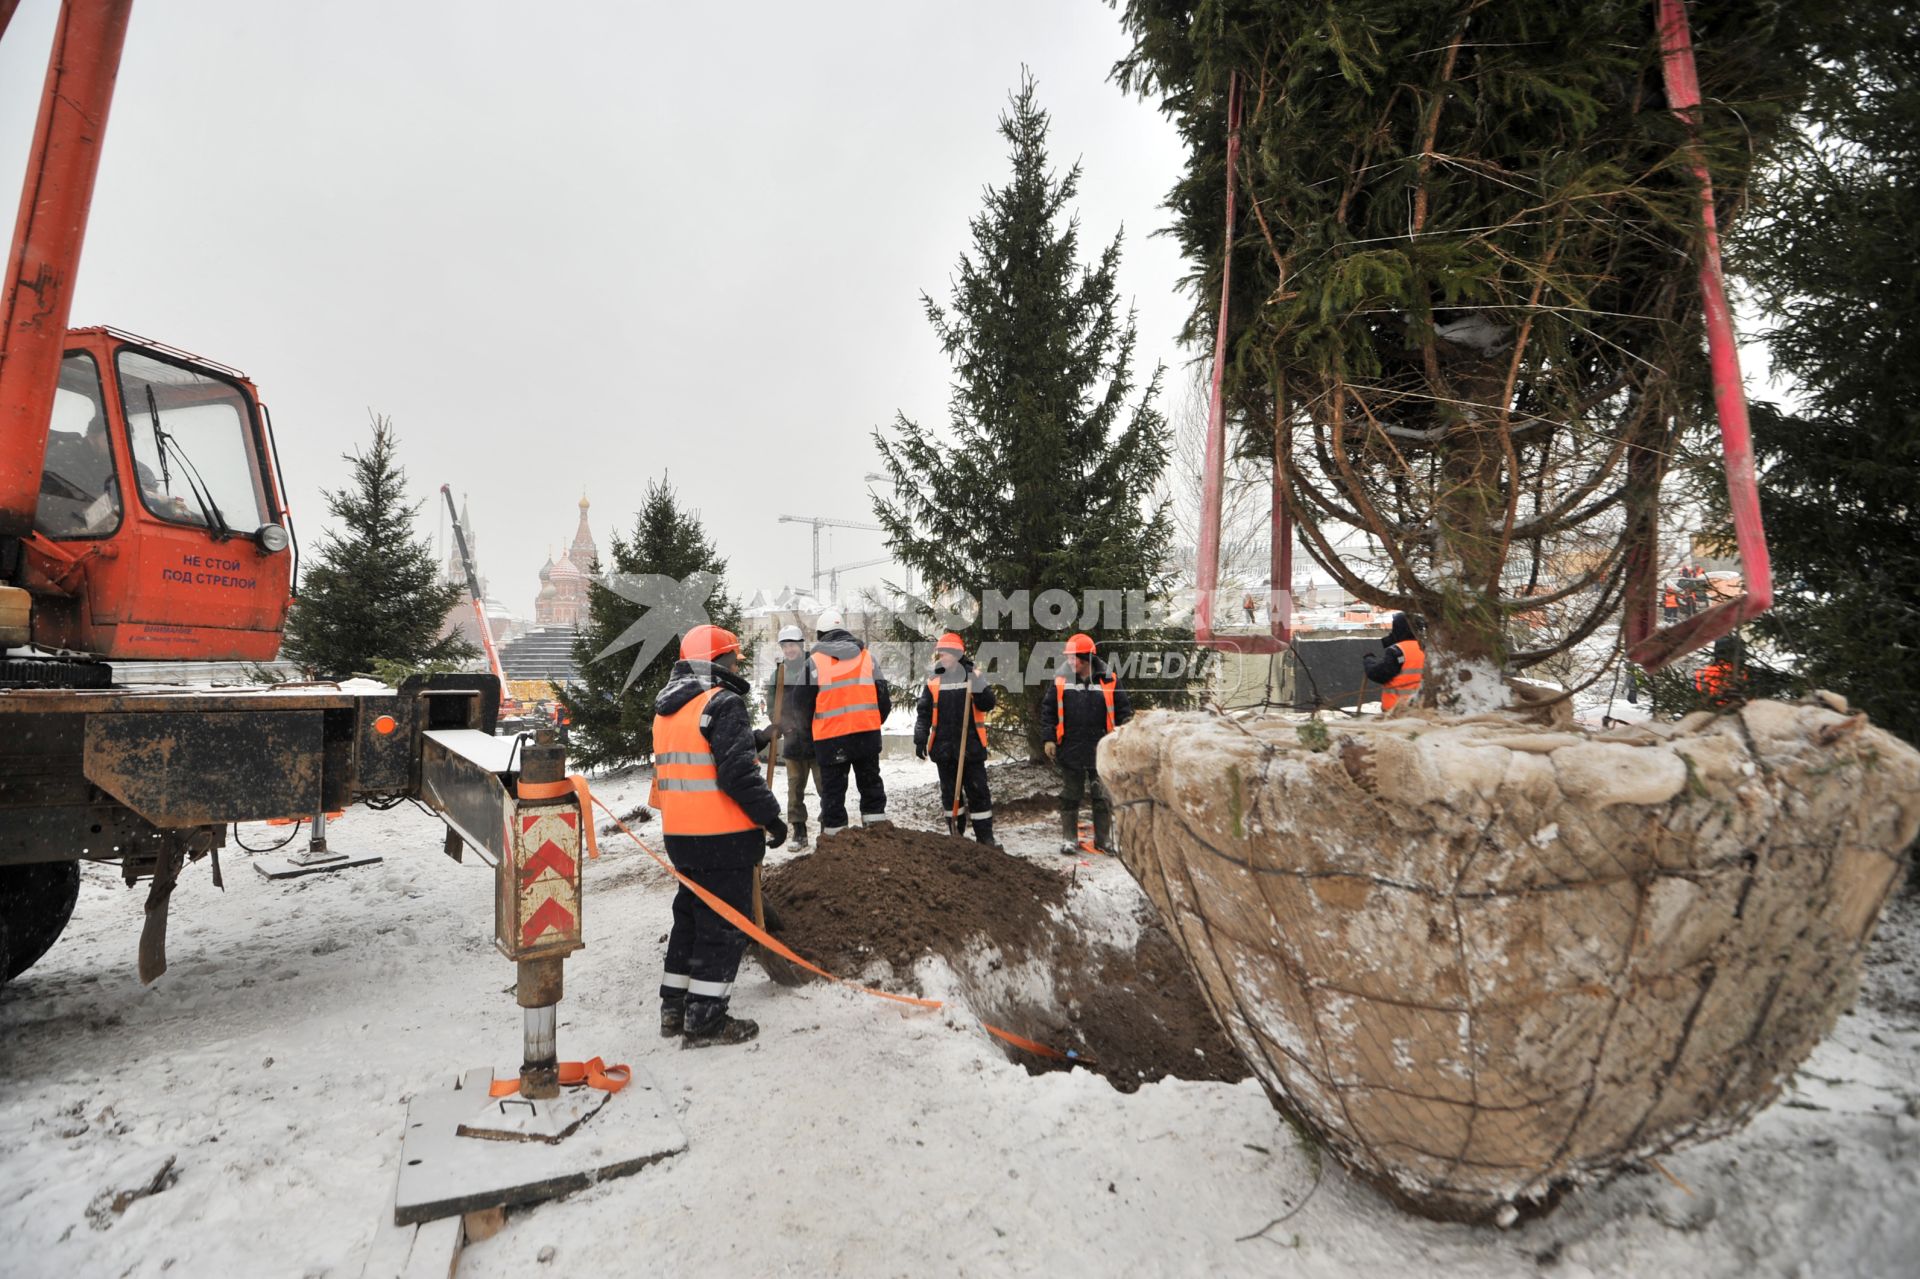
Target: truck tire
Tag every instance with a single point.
(35, 903)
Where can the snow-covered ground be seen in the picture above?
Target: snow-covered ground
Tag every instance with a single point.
(273, 1062)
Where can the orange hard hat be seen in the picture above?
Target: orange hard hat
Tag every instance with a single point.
(707, 643)
(1080, 644)
(951, 642)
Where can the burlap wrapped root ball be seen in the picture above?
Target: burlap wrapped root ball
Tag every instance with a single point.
(1484, 961)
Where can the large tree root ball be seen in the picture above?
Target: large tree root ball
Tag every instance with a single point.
(1485, 961)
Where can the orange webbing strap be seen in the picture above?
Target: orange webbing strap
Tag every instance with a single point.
(1086, 839)
(760, 935)
(594, 1073)
(1019, 1042)
(575, 785)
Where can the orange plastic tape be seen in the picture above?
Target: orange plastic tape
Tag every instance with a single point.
(576, 786)
(766, 939)
(594, 1073)
(748, 927)
(1019, 1041)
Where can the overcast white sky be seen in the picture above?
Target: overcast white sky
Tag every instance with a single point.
(570, 246)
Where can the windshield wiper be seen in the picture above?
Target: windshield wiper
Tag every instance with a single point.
(165, 442)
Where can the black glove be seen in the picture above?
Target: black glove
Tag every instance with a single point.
(919, 750)
(776, 833)
(761, 736)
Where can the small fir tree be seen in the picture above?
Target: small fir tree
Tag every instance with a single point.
(373, 593)
(612, 721)
(1046, 478)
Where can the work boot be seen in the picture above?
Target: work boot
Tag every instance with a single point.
(983, 831)
(1070, 833)
(721, 1030)
(799, 839)
(1103, 829)
(673, 1017)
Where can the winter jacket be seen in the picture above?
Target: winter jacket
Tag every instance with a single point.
(1086, 715)
(796, 727)
(953, 707)
(1383, 669)
(730, 736)
(842, 646)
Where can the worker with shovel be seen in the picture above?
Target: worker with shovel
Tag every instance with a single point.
(1084, 707)
(714, 808)
(794, 730)
(951, 724)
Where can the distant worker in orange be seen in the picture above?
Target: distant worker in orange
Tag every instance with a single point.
(844, 701)
(1670, 605)
(950, 725)
(1720, 681)
(718, 819)
(1248, 603)
(1399, 669)
(1083, 709)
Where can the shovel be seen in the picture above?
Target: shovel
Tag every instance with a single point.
(960, 769)
(782, 972)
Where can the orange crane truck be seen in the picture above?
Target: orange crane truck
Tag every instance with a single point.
(143, 517)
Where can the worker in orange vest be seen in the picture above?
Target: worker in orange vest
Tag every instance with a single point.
(1247, 605)
(1083, 706)
(1670, 605)
(1720, 679)
(845, 700)
(718, 819)
(1401, 667)
(944, 729)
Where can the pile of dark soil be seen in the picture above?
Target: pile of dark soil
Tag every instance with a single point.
(886, 892)
(898, 895)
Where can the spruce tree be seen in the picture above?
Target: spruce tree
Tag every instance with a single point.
(1464, 306)
(1834, 256)
(1045, 477)
(373, 593)
(612, 718)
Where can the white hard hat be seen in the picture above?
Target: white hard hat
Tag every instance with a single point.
(792, 634)
(830, 620)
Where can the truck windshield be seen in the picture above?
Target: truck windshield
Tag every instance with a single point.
(193, 445)
(78, 497)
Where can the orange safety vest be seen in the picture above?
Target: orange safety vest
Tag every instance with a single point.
(933, 727)
(686, 783)
(1107, 686)
(1670, 600)
(848, 701)
(1714, 678)
(1413, 663)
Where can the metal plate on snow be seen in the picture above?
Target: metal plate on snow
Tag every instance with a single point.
(443, 1173)
(517, 1119)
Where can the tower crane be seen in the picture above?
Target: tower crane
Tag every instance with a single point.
(833, 574)
(825, 521)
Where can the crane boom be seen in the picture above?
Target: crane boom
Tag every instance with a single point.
(47, 238)
(479, 601)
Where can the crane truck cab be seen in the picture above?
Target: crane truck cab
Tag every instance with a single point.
(161, 531)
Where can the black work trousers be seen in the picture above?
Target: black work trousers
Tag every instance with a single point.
(703, 949)
(833, 790)
(976, 800)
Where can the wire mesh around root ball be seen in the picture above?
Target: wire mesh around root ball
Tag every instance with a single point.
(1484, 960)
